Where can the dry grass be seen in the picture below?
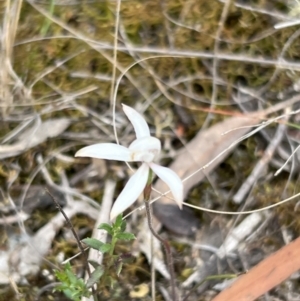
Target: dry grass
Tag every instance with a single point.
(187, 65)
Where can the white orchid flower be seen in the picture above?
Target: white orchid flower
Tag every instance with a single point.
(143, 149)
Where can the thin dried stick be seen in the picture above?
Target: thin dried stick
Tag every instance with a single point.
(261, 164)
(79, 244)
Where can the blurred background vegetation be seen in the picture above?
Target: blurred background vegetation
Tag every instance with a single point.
(194, 62)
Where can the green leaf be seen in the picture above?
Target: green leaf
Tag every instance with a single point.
(69, 294)
(123, 226)
(72, 286)
(75, 295)
(118, 221)
(60, 287)
(61, 275)
(125, 236)
(72, 277)
(93, 243)
(95, 276)
(108, 228)
(105, 248)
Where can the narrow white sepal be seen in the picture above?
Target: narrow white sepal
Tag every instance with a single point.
(172, 180)
(139, 123)
(131, 191)
(109, 151)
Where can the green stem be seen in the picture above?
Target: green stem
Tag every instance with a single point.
(113, 243)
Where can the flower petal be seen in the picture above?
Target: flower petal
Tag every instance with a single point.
(145, 149)
(109, 151)
(131, 191)
(172, 180)
(139, 123)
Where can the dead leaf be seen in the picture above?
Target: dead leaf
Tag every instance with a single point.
(266, 275)
(26, 253)
(206, 146)
(35, 136)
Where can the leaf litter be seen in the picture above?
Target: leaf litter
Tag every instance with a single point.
(209, 140)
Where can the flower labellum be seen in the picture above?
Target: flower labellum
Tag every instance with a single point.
(143, 149)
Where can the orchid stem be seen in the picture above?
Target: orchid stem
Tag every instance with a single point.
(165, 243)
